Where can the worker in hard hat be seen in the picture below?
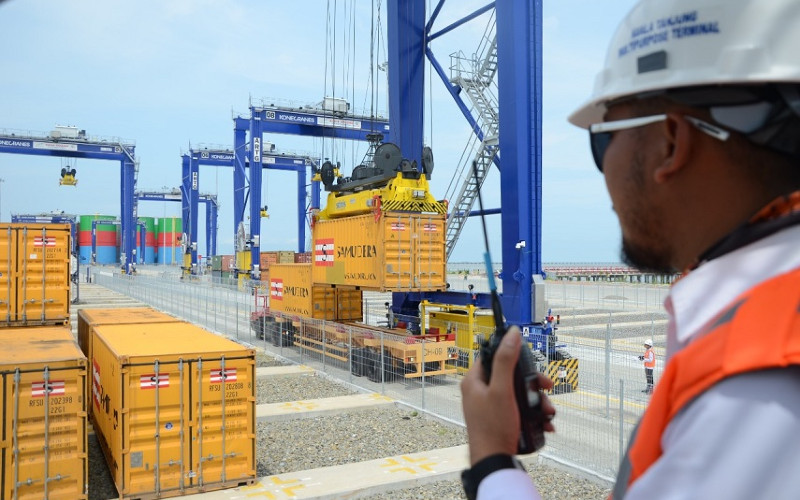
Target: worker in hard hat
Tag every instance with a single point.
(695, 125)
(649, 359)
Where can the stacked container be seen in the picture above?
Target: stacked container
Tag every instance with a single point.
(174, 408)
(266, 260)
(34, 274)
(43, 451)
(285, 257)
(302, 258)
(397, 252)
(89, 319)
(291, 292)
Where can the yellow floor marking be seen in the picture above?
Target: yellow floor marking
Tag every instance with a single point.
(391, 462)
(299, 406)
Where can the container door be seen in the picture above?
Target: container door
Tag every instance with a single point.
(44, 420)
(155, 433)
(223, 422)
(323, 302)
(348, 305)
(43, 275)
(429, 252)
(8, 256)
(398, 237)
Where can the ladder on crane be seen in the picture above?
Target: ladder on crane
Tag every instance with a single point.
(476, 76)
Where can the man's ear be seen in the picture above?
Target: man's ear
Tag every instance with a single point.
(677, 141)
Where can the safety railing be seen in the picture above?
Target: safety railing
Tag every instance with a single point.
(599, 377)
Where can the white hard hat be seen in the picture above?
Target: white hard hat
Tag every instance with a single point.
(668, 44)
(649, 342)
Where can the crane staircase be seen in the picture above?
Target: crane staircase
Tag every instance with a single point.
(476, 76)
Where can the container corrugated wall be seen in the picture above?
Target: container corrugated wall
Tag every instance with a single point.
(285, 257)
(349, 305)
(302, 258)
(149, 249)
(168, 240)
(398, 252)
(43, 451)
(291, 292)
(34, 274)
(88, 319)
(167, 391)
(106, 240)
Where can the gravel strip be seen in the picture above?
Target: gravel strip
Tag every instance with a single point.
(263, 359)
(101, 484)
(347, 438)
(298, 388)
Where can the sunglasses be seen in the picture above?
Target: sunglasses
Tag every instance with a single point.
(600, 133)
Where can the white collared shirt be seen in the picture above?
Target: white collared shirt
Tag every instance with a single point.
(739, 439)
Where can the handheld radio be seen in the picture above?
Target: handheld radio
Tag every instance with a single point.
(526, 383)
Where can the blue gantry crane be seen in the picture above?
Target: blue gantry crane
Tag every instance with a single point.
(331, 120)
(224, 157)
(212, 211)
(513, 145)
(70, 142)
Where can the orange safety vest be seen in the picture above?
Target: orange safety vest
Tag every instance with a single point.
(649, 364)
(727, 349)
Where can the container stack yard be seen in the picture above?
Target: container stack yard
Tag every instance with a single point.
(314, 340)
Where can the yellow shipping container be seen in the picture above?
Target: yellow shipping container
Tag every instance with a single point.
(291, 292)
(349, 305)
(34, 274)
(174, 408)
(44, 447)
(397, 252)
(90, 318)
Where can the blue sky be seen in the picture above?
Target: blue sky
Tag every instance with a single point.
(168, 74)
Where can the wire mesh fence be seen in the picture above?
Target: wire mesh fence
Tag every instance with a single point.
(599, 393)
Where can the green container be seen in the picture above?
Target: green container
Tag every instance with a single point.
(216, 263)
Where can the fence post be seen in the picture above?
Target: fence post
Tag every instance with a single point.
(350, 354)
(621, 419)
(236, 297)
(422, 348)
(608, 367)
(383, 379)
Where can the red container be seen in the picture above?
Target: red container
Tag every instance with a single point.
(302, 258)
(227, 262)
(267, 259)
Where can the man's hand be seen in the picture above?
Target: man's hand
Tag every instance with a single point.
(490, 409)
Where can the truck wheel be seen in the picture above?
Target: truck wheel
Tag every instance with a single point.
(560, 354)
(372, 369)
(275, 333)
(357, 362)
(289, 339)
(389, 364)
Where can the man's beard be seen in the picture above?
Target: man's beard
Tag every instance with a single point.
(645, 259)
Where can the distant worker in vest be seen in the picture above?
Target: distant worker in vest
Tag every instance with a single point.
(649, 358)
(694, 123)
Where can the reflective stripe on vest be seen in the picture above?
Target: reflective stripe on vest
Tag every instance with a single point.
(726, 350)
